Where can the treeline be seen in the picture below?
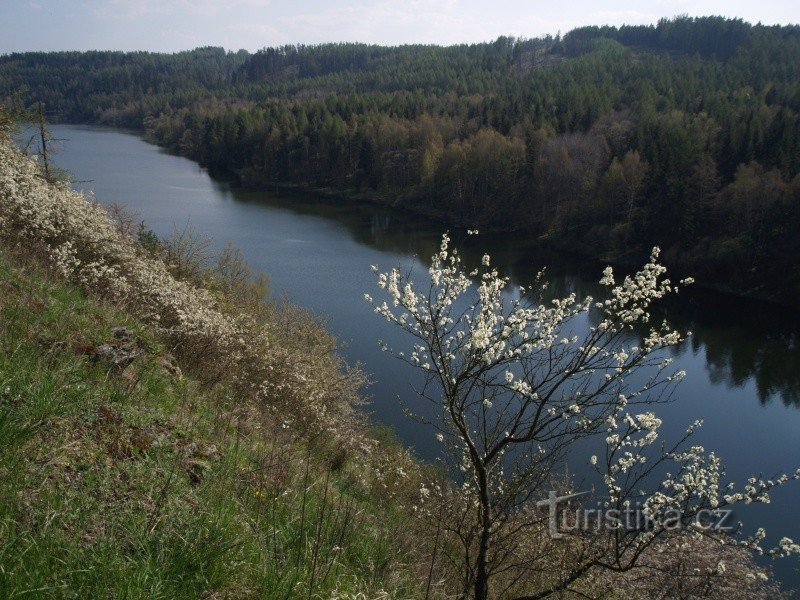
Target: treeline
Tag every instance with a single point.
(119, 88)
(608, 140)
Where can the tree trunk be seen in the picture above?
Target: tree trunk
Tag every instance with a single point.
(43, 136)
(481, 571)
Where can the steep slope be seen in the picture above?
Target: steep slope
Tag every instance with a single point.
(132, 469)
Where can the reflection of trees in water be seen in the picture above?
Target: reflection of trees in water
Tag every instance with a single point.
(770, 357)
(772, 365)
(742, 339)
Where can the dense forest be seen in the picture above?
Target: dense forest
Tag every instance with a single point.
(607, 140)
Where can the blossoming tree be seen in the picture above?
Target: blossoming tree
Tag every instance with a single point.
(516, 383)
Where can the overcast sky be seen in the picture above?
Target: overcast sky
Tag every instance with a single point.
(169, 25)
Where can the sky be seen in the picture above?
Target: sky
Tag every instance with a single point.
(172, 25)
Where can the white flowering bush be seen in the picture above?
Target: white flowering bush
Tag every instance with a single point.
(516, 381)
(288, 363)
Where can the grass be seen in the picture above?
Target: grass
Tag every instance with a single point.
(132, 481)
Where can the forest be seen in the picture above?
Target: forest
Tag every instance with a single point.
(604, 141)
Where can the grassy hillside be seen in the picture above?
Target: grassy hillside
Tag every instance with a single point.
(124, 479)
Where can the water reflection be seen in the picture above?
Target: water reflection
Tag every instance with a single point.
(742, 339)
(745, 341)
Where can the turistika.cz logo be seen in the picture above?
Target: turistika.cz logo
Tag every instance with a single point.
(564, 517)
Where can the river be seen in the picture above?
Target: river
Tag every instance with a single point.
(742, 362)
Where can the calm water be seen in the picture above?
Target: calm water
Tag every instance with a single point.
(743, 362)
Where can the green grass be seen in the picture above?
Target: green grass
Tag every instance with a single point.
(137, 483)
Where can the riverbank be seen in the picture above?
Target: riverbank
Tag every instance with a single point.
(580, 251)
(584, 251)
(123, 476)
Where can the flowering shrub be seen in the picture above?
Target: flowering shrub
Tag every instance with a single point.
(515, 388)
(288, 362)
